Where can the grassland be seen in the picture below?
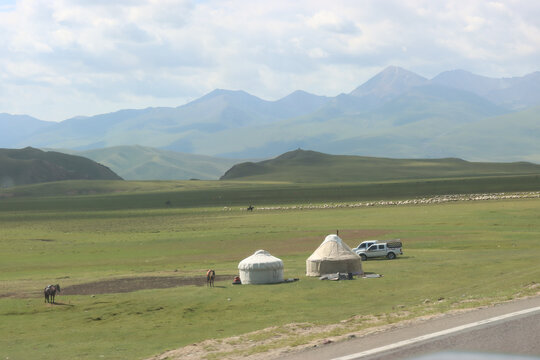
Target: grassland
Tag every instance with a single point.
(123, 195)
(456, 255)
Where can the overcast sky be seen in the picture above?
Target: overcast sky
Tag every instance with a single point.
(63, 58)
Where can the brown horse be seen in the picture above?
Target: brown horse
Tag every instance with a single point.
(210, 277)
(50, 292)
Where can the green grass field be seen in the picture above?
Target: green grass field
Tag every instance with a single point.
(464, 253)
(123, 195)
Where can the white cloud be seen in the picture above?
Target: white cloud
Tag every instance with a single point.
(63, 58)
(329, 21)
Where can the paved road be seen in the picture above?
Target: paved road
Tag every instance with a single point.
(487, 330)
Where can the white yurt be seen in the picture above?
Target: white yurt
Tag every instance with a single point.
(333, 256)
(261, 268)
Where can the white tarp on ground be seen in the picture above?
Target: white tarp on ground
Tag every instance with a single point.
(333, 256)
(261, 268)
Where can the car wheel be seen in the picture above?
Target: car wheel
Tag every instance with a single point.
(391, 256)
(364, 257)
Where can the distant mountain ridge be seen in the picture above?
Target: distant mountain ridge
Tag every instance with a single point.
(513, 93)
(311, 167)
(397, 113)
(30, 166)
(391, 81)
(15, 129)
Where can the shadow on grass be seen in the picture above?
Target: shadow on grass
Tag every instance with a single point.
(385, 259)
(278, 283)
(60, 304)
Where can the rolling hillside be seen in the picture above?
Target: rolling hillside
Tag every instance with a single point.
(30, 166)
(144, 163)
(310, 166)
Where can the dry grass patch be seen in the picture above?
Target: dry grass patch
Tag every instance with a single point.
(277, 341)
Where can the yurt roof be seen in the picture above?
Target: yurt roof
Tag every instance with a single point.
(333, 248)
(261, 260)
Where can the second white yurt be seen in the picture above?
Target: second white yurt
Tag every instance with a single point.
(333, 256)
(261, 268)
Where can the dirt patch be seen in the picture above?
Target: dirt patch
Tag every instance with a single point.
(137, 283)
(123, 285)
(9, 295)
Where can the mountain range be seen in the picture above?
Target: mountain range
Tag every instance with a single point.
(397, 114)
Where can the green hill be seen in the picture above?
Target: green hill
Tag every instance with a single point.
(145, 163)
(315, 167)
(30, 166)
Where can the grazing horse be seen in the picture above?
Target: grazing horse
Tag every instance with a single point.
(250, 208)
(50, 292)
(210, 276)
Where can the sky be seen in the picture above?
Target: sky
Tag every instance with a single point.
(65, 58)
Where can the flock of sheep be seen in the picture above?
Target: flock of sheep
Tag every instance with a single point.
(425, 200)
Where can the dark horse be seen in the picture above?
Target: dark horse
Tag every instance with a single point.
(50, 292)
(210, 277)
(250, 208)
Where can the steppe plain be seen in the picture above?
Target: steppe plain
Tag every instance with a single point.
(130, 258)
